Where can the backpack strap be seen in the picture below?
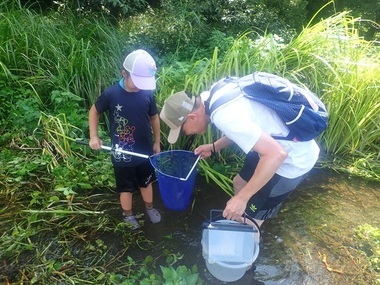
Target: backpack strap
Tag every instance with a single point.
(224, 99)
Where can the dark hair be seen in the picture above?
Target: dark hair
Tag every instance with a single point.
(197, 102)
(127, 72)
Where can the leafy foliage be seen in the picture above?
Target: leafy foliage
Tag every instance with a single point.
(368, 11)
(181, 275)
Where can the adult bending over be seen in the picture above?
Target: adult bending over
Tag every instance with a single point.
(272, 168)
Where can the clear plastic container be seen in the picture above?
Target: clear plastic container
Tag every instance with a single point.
(229, 249)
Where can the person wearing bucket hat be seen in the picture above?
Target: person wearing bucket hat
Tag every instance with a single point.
(133, 116)
(273, 168)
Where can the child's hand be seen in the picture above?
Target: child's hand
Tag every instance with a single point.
(156, 148)
(95, 143)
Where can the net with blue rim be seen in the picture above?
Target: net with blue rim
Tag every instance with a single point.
(176, 177)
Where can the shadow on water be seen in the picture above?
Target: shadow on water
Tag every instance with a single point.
(311, 241)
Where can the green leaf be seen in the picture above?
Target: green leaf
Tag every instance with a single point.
(85, 185)
(192, 279)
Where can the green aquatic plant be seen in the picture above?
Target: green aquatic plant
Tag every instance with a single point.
(368, 239)
(180, 275)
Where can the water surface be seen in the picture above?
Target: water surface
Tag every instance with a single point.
(311, 241)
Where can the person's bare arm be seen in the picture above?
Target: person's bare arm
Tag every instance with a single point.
(155, 123)
(93, 122)
(206, 150)
(272, 155)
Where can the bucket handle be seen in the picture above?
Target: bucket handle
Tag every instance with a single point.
(245, 215)
(221, 211)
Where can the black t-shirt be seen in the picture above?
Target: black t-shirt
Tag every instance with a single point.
(129, 118)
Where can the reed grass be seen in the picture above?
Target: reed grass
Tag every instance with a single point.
(75, 53)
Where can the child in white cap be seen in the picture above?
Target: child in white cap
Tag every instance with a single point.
(133, 115)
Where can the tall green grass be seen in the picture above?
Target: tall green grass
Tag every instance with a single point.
(49, 61)
(344, 69)
(60, 51)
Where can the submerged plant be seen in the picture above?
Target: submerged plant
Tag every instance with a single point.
(368, 239)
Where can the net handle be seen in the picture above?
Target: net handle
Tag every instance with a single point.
(116, 150)
(112, 149)
(191, 170)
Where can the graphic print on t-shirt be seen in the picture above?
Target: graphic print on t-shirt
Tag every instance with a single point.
(125, 134)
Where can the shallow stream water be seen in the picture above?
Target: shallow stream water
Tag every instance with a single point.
(311, 241)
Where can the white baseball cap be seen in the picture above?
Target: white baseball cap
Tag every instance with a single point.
(142, 68)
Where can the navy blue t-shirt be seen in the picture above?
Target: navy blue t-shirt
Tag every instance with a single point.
(129, 118)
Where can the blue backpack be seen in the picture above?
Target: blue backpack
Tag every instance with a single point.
(301, 110)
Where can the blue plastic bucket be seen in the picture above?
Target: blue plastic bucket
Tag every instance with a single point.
(172, 168)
